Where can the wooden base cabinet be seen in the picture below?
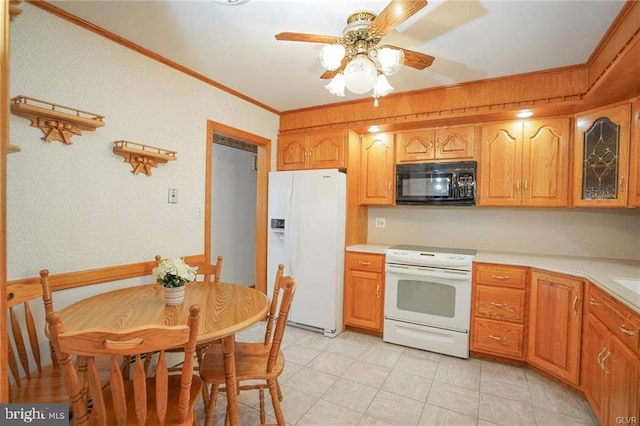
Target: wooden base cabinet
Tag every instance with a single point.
(611, 359)
(555, 324)
(364, 291)
(498, 310)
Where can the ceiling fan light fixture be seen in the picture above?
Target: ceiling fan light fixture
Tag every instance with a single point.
(360, 75)
(336, 85)
(331, 56)
(382, 87)
(391, 60)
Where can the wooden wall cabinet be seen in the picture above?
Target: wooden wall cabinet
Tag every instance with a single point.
(499, 310)
(601, 157)
(634, 157)
(611, 358)
(377, 183)
(449, 143)
(524, 163)
(327, 150)
(555, 324)
(364, 291)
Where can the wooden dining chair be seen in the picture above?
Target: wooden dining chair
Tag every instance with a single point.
(157, 400)
(262, 362)
(34, 380)
(205, 273)
(209, 273)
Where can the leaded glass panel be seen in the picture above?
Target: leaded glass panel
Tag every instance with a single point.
(600, 162)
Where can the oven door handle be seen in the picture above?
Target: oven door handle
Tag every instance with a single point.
(423, 271)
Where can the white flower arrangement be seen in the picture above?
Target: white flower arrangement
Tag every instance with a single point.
(173, 272)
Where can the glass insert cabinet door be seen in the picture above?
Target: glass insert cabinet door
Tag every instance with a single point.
(602, 157)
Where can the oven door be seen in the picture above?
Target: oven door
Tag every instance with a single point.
(429, 296)
(424, 187)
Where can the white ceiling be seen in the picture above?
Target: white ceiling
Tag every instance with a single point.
(235, 45)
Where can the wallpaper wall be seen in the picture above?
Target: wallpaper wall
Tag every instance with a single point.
(79, 207)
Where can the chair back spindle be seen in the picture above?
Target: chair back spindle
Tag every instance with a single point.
(274, 305)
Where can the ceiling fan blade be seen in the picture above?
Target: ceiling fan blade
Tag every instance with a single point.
(310, 38)
(414, 59)
(395, 14)
(330, 74)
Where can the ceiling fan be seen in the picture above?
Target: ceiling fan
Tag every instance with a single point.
(356, 60)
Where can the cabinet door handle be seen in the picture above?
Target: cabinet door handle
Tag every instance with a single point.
(599, 360)
(593, 302)
(517, 186)
(526, 185)
(499, 305)
(491, 336)
(364, 263)
(378, 290)
(604, 368)
(575, 304)
(626, 331)
(500, 277)
(621, 180)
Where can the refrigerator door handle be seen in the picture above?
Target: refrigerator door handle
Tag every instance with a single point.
(287, 231)
(292, 242)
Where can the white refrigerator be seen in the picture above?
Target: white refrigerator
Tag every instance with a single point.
(306, 233)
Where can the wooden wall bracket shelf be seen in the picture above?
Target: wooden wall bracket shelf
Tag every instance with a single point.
(14, 9)
(57, 122)
(142, 157)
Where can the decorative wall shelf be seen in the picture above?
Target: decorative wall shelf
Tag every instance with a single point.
(142, 157)
(57, 122)
(12, 148)
(14, 10)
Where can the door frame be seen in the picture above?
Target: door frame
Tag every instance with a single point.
(262, 188)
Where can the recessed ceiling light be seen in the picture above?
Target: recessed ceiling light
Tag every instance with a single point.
(230, 2)
(373, 129)
(525, 113)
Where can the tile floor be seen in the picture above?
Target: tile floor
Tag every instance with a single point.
(357, 379)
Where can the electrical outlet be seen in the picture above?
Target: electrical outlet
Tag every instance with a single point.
(380, 222)
(173, 196)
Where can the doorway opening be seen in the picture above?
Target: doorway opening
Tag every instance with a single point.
(221, 200)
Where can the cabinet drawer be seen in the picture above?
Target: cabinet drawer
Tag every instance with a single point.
(500, 275)
(619, 319)
(498, 338)
(365, 262)
(499, 303)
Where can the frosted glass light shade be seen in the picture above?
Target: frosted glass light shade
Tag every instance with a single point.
(336, 85)
(391, 60)
(331, 56)
(382, 87)
(360, 75)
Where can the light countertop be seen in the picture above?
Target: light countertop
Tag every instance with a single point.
(599, 271)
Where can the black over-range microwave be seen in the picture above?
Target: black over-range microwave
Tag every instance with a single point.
(451, 183)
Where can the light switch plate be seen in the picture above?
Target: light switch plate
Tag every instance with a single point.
(380, 222)
(173, 196)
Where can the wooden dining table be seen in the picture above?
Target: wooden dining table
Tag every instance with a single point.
(225, 309)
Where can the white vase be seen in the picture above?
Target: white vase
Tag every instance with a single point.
(174, 295)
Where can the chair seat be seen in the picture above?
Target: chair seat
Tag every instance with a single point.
(42, 388)
(172, 400)
(251, 363)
